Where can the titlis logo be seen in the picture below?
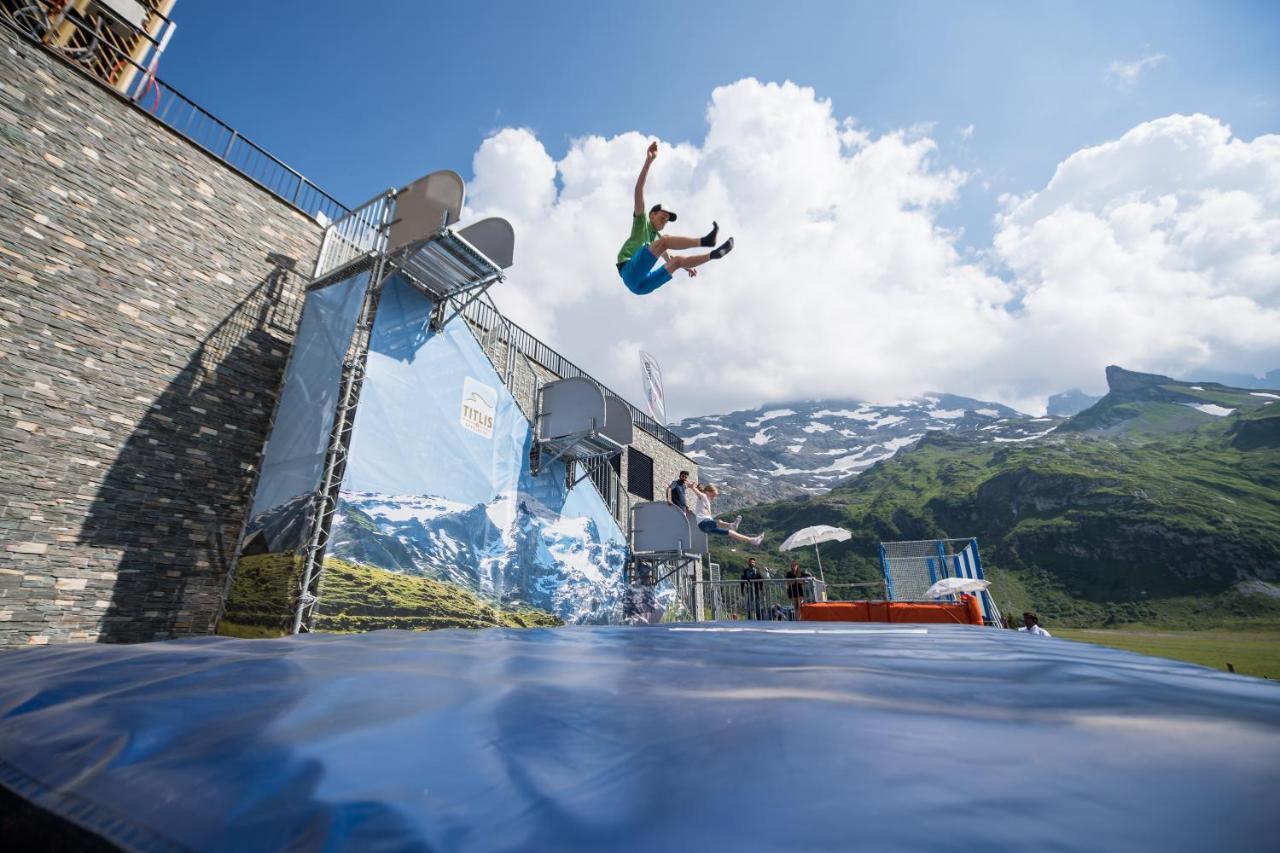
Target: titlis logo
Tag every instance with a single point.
(479, 403)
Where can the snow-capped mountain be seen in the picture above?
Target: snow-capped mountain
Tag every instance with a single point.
(510, 550)
(779, 451)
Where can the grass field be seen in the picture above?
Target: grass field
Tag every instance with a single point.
(1252, 652)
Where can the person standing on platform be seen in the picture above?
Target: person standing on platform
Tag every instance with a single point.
(676, 494)
(645, 244)
(796, 587)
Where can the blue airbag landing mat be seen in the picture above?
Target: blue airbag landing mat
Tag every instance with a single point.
(663, 738)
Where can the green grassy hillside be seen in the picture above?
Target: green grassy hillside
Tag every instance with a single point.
(1140, 509)
(359, 598)
(363, 598)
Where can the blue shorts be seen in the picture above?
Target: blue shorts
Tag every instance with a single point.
(709, 526)
(636, 273)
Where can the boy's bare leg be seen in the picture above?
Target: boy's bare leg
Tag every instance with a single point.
(667, 243)
(688, 262)
(734, 534)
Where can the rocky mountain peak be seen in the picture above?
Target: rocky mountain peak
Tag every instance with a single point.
(1121, 380)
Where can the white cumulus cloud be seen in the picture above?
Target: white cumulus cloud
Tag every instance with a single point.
(1125, 73)
(1157, 250)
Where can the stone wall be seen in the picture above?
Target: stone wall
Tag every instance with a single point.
(148, 295)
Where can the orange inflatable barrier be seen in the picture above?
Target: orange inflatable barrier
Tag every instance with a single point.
(965, 612)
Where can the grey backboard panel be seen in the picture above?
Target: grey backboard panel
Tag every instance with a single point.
(617, 420)
(494, 237)
(424, 205)
(701, 542)
(658, 526)
(570, 406)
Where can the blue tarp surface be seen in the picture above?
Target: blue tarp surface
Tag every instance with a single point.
(661, 738)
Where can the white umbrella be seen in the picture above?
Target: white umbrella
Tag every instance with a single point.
(812, 536)
(950, 586)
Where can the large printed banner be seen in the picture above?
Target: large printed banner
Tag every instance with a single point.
(439, 521)
(265, 587)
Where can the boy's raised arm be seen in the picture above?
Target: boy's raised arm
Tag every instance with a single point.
(644, 173)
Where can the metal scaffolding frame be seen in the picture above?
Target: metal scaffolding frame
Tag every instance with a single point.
(444, 266)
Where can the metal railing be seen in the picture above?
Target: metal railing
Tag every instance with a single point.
(768, 599)
(189, 120)
(874, 590)
(486, 317)
(172, 108)
(357, 233)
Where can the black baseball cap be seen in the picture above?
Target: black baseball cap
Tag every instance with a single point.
(657, 207)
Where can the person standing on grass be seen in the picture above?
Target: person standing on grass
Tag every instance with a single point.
(703, 495)
(645, 244)
(1031, 624)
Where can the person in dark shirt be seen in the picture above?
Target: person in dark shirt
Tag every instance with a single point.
(797, 588)
(752, 591)
(676, 491)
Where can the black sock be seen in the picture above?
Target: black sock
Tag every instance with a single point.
(725, 248)
(710, 239)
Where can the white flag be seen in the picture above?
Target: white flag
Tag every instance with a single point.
(652, 375)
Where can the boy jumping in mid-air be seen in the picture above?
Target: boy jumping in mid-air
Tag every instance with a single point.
(646, 245)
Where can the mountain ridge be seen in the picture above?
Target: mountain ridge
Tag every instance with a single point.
(1159, 504)
(808, 446)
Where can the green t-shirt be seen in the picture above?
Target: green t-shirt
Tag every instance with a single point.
(642, 232)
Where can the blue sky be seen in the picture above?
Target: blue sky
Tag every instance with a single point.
(991, 199)
(364, 96)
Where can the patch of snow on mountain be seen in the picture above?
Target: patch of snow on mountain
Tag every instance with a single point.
(861, 459)
(848, 463)
(1264, 394)
(887, 420)
(1196, 388)
(395, 508)
(1211, 409)
(991, 413)
(691, 439)
(1024, 438)
(847, 414)
(816, 427)
(761, 437)
(795, 448)
(896, 444)
(563, 539)
(946, 414)
(770, 415)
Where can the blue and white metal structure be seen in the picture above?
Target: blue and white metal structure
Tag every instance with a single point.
(910, 568)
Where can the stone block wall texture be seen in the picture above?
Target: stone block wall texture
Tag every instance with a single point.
(148, 296)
